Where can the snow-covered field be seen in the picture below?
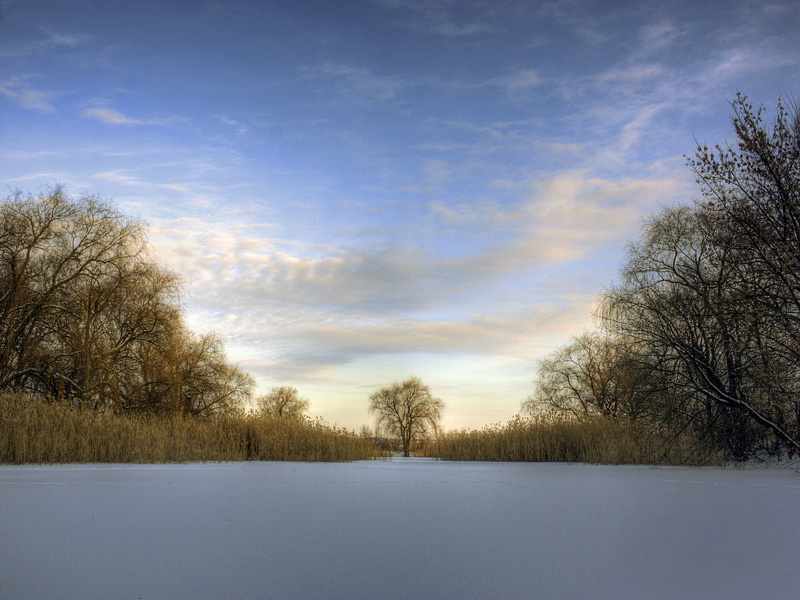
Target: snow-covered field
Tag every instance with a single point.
(396, 529)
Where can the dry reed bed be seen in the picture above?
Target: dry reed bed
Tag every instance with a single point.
(36, 432)
(600, 441)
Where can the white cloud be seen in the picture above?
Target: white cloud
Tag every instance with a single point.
(240, 128)
(521, 81)
(19, 89)
(110, 116)
(129, 180)
(660, 35)
(575, 15)
(571, 214)
(357, 81)
(365, 289)
(52, 41)
(731, 64)
(449, 28)
(436, 172)
(634, 74)
(34, 154)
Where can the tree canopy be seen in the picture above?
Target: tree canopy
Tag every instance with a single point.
(87, 316)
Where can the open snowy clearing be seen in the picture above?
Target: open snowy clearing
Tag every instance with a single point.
(397, 529)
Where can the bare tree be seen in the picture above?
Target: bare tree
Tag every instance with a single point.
(186, 373)
(752, 199)
(283, 402)
(712, 291)
(61, 264)
(407, 410)
(681, 301)
(210, 384)
(592, 375)
(88, 317)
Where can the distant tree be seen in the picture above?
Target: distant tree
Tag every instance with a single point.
(407, 410)
(593, 375)
(282, 402)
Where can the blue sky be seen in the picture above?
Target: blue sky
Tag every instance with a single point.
(356, 192)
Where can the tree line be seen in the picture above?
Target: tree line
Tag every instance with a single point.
(701, 335)
(89, 318)
(699, 339)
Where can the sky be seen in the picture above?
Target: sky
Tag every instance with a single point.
(356, 192)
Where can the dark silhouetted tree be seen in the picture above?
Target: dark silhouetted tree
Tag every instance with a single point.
(712, 291)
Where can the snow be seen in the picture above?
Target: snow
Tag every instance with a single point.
(397, 529)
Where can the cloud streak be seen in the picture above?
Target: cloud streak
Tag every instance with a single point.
(564, 219)
(52, 41)
(357, 83)
(442, 18)
(20, 90)
(110, 116)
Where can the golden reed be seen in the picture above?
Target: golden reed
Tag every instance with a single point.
(32, 431)
(599, 441)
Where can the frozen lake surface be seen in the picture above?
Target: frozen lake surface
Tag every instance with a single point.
(415, 529)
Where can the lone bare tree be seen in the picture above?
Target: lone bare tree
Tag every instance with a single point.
(407, 410)
(282, 402)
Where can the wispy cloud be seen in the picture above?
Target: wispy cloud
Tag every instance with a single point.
(239, 127)
(450, 28)
(357, 82)
(110, 116)
(51, 41)
(34, 154)
(522, 81)
(505, 334)
(568, 216)
(660, 35)
(446, 18)
(630, 75)
(129, 180)
(20, 90)
(564, 218)
(575, 16)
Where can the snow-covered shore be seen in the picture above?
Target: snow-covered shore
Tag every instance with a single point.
(397, 529)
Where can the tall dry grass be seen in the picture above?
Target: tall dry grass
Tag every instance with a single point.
(32, 431)
(599, 441)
